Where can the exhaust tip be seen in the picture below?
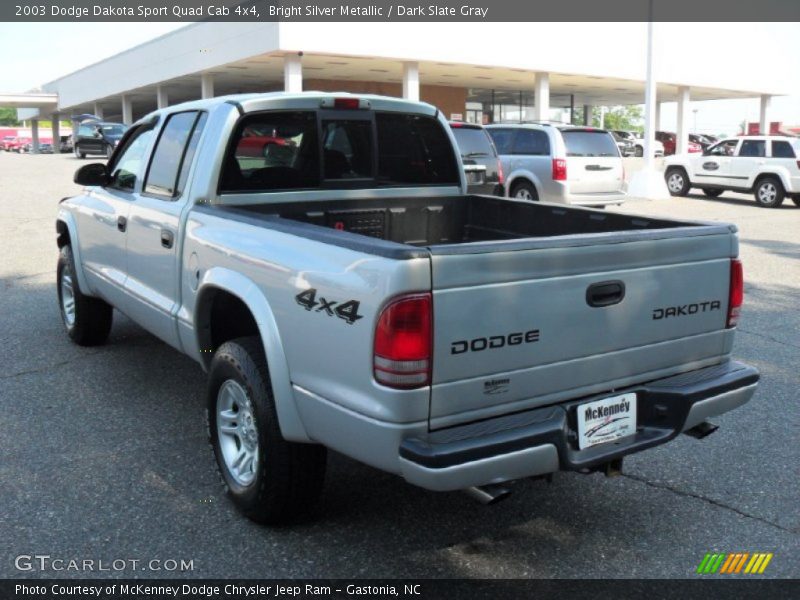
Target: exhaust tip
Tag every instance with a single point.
(488, 494)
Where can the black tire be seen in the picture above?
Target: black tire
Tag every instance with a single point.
(639, 152)
(524, 190)
(288, 477)
(678, 183)
(712, 192)
(796, 200)
(769, 192)
(90, 321)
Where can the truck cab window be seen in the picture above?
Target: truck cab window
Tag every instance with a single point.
(162, 175)
(130, 164)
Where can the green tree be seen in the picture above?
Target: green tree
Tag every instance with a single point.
(8, 117)
(627, 118)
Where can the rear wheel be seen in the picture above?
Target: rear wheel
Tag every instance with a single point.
(269, 479)
(769, 192)
(524, 190)
(87, 320)
(677, 182)
(712, 192)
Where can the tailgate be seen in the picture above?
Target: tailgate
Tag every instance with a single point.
(593, 161)
(521, 325)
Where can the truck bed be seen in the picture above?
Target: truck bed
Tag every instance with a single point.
(457, 220)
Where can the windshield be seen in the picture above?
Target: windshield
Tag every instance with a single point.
(472, 142)
(589, 143)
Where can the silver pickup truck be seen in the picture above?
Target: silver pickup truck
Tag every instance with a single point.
(318, 256)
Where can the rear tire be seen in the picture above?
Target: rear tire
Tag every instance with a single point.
(271, 480)
(677, 181)
(524, 190)
(712, 192)
(769, 192)
(87, 320)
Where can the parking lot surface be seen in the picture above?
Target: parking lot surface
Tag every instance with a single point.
(104, 451)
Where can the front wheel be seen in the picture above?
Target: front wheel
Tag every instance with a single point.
(677, 182)
(87, 320)
(269, 479)
(769, 192)
(524, 191)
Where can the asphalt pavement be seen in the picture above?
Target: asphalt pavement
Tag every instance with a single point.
(103, 451)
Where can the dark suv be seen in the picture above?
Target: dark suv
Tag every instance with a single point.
(97, 137)
(481, 163)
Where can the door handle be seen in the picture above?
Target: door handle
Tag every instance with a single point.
(167, 238)
(597, 168)
(122, 223)
(605, 293)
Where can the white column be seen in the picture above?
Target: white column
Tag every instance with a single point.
(162, 100)
(766, 100)
(648, 182)
(35, 136)
(98, 111)
(206, 85)
(657, 117)
(682, 133)
(602, 117)
(127, 110)
(542, 97)
(56, 133)
(411, 81)
(587, 115)
(293, 73)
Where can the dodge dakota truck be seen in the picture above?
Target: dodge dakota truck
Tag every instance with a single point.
(319, 257)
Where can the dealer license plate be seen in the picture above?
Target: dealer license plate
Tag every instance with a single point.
(606, 420)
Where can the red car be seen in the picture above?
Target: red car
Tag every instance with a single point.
(670, 141)
(17, 144)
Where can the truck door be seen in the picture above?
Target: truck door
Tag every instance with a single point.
(103, 221)
(153, 241)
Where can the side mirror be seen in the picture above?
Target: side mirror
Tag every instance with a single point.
(92, 174)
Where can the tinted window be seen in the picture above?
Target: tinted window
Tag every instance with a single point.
(473, 142)
(589, 143)
(531, 142)
(273, 151)
(413, 149)
(162, 178)
(782, 149)
(347, 149)
(503, 138)
(87, 130)
(753, 148)
(129, 164)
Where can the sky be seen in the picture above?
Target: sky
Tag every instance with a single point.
(45, 51)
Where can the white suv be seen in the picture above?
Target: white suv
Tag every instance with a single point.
(569, 165)
(767, 166)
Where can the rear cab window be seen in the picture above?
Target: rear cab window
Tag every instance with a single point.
(585, 143)
(281, 150)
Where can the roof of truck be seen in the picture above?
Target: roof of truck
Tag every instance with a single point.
(297, 100)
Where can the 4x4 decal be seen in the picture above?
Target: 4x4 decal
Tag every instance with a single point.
(348, 311)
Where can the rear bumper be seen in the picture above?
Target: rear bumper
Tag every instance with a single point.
(598, 199)
(544, 440)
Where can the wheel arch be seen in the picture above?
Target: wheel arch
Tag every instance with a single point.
(67, 233)
(232, 294)
(776, 174)
(524, 175)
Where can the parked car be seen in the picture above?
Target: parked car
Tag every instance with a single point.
(564, 164)
(766, 166)
(670, 141)
(638, 143)
(45, 147)
(97, 137)
(7, 139)
(482, 166)
(65, 144)
(627, 147)
(700, 139)
(364, 302)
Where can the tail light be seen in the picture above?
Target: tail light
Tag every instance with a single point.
(501, 177)
(559, 169)
(403, 343)
(736, 294)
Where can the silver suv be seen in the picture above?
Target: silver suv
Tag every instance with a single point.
(564, 164)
